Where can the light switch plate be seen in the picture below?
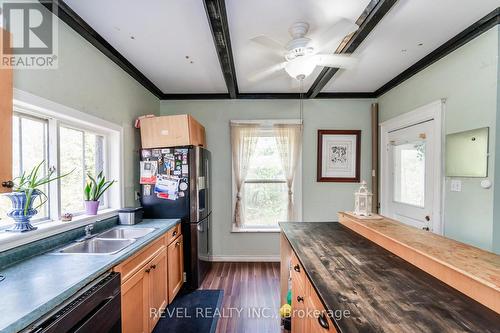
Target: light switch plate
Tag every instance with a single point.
(456, 185)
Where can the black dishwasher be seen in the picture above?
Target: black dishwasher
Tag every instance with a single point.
(95, 308)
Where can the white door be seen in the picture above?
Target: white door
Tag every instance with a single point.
(411, 175)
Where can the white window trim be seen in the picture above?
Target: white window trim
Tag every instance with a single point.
(432, 111)
(31, 104)
(297, 186)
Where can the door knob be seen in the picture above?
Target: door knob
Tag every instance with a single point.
(427, 218)
(426, 228)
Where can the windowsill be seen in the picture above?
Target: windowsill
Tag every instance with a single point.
(9, 240)
(236, 229)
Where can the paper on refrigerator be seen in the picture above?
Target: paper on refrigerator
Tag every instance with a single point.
(167, 187)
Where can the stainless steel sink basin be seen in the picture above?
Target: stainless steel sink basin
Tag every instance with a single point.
(126, 233)
(97, 246)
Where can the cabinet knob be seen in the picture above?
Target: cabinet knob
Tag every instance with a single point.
(296, 268)
(323, 322)
(300, 299)
(148, 270)
(8, 184)
(174, 233)
(178, 243)
(153, 266)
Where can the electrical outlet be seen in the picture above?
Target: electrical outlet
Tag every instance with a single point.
(456, 185)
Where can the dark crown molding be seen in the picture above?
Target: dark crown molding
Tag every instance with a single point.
(68, 16)
(484, 24)
(367, 21)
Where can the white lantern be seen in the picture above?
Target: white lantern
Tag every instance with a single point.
(363, 201)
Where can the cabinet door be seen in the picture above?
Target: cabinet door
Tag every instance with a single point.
(135, 303)
(175, 267)
(300, 322)
(6, 92)
(318, 322)
(157, 288)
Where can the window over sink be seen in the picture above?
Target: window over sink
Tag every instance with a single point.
(66, 140)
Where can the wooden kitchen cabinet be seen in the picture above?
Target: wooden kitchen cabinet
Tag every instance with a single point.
(150, 280)
(6, 97)
(175, 267)
(158, 296)
(135, 303)
(308, 312)
(172, 131)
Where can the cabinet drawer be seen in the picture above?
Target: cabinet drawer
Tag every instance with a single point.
(298, 273)
(133, 264)
(172, 234)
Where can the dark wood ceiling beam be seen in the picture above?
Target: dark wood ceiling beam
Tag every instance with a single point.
(473, 31)
(68, 16)
(368, 20)
(217, 19)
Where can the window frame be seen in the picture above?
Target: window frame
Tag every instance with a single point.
(268, 124)
(22, 115)
(56, 114)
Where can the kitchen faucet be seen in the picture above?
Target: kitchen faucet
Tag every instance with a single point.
(88, 233)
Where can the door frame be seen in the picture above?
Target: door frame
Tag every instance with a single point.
(432, 111)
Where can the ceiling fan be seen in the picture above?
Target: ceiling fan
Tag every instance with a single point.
(302, 54)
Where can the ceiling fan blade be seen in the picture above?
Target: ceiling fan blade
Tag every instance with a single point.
(335, 60)
(335, 33)
(267, 72)
(269, 43)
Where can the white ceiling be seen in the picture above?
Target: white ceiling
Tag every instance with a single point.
(166, 31)
(410, 22)
(272, 18)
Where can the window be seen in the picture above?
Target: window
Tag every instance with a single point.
(30, 147)
(266, 174)
(81, 152)
(69, 140)
(265, 189)
(409, 173)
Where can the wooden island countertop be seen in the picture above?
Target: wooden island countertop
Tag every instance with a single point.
(470, 270)
(380, 291)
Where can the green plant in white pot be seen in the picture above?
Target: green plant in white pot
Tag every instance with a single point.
(27, 190)
(93, 191)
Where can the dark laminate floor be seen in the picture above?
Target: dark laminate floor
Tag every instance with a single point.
(251, 287)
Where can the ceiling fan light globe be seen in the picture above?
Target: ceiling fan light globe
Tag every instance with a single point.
(300, 68)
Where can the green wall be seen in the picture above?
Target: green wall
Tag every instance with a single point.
(321, 201)
(90, 82)
(468, 79)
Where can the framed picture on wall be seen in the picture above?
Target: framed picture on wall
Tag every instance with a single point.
(339, 156)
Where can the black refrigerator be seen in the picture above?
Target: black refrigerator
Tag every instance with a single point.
(175, 183)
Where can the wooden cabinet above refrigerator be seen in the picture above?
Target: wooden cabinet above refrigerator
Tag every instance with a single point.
(172, 131)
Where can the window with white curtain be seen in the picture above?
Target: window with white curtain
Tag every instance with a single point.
(266, 158)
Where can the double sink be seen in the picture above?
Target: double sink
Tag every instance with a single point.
(108, 242)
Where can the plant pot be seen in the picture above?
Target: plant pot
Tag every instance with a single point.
(18, 214)
(91, 207)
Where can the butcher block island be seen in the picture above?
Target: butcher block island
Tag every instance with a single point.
(351, 284)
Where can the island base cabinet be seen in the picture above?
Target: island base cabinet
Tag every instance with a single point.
(175, 267)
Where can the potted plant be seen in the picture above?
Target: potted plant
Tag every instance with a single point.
(25, 192)
(93, 190)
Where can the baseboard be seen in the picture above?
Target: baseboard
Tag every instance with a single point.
(245, 258)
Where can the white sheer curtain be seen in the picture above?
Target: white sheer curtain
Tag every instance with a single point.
(243, 142)
(289, 143)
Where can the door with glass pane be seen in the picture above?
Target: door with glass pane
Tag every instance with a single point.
(411, 175)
